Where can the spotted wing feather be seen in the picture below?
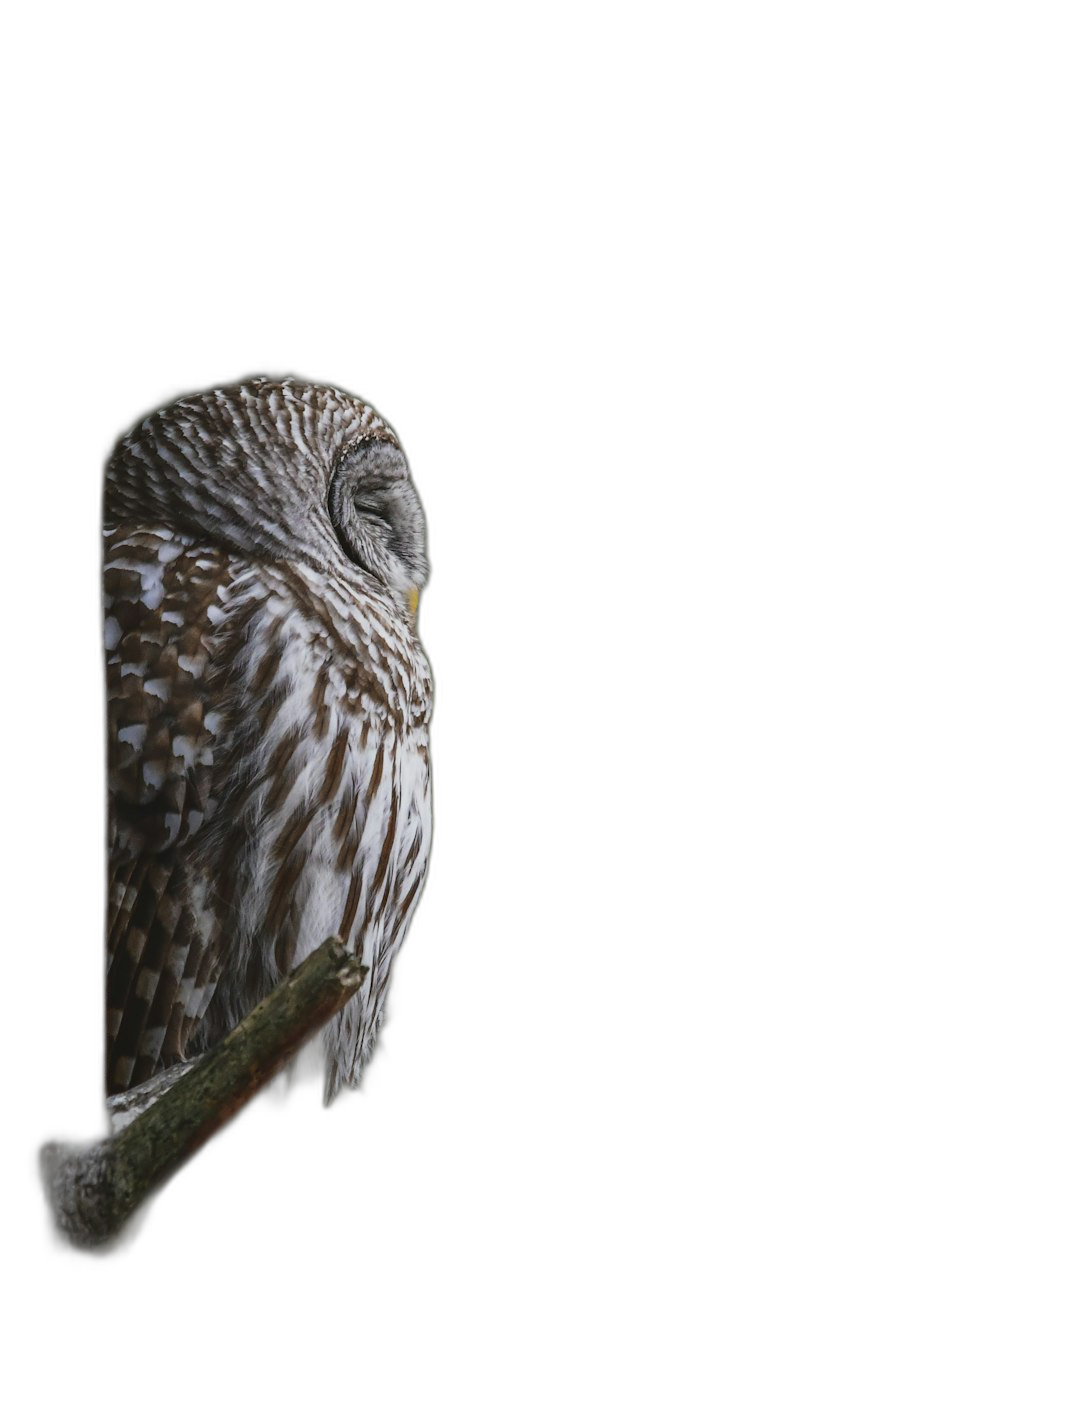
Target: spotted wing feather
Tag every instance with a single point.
(162, 607)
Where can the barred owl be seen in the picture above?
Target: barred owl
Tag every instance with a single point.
(268, 707)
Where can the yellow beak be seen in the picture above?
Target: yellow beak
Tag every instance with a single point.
(412, 602)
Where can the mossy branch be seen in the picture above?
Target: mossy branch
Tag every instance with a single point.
(94, 1190)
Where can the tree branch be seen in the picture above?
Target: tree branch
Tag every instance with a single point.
(94, 1190)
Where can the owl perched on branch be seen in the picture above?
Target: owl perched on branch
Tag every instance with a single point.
(268, 707)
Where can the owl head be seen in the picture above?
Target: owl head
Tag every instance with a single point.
(278, 469)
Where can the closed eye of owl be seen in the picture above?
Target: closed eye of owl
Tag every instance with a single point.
(268, 711)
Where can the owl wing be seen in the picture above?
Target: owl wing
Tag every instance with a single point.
(165, 711)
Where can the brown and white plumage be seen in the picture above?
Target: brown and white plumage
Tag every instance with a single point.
(268, 707)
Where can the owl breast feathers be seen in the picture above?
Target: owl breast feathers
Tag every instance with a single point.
(268, 708)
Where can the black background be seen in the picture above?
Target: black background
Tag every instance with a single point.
(493, 1079)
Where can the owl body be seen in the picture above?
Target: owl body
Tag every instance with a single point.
(268, 715)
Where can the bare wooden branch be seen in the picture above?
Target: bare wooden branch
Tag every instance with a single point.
(94, 1190)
